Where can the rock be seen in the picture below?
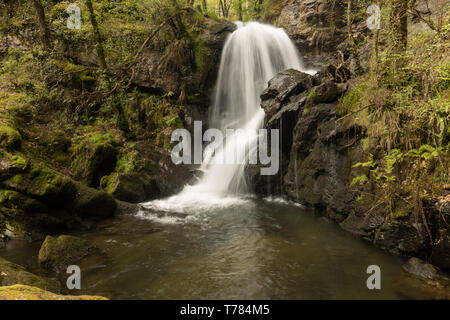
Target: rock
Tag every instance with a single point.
(10, 138)
(282, 87)
(22, 292)
(421, 269)
(316, 26)
(56, 254)
(94, 158)
(180, 67)
(441, 249)
(46, 185)
(422, 281)
(93, 204)
(130, 187)
(11, 273)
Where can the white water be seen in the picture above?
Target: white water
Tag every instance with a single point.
(252, 55)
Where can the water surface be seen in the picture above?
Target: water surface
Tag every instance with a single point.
(255, 249)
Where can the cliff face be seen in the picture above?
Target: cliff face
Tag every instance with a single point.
(320, 149)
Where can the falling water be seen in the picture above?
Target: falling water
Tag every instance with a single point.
(252, 55)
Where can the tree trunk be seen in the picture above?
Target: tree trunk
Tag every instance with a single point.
(399, 24)
(240, 15)
(97, 35)
(43, 30)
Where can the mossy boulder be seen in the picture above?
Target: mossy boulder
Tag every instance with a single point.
(46, 185)
(56, 254)
(130, 187)
(94, 157)
(94, 204)
(11, 165)
(22, 292)
(11, 273)
(10, 138)
(15, 200)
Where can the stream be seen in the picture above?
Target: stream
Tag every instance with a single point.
(254, 249)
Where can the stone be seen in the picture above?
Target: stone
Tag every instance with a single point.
(130, 187)
(11, 274)
(56, 254)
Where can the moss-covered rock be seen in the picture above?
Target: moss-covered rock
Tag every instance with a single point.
(11, 273)
(44, 184)
(10, 138)
(94, 157)
(21, 292)
(57, 254)
(93, 204)
(130, 187)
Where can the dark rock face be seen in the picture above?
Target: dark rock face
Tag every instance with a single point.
(315, 25)
(175, 69)
(318, 152)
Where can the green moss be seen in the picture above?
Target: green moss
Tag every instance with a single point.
(19, 161)
(23, 292)
(58, 253)
(10, 138)
(17, 179)
(12, 274)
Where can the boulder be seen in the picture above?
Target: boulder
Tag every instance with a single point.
(282, 87)
(93, 204)
(23, 292)
(56, 254)
(11, 274)
(130, 187)
(10, 138)
(94, 159)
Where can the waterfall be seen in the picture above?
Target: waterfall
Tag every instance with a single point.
(252, 55)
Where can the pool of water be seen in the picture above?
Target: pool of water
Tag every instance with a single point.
(254, 249)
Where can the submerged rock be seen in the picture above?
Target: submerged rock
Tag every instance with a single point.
(421, 280)
(11, 274)
(57, 254)
(22, 292)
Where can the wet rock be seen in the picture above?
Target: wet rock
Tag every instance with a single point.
(56, 254)
(282, 88)
(420, 280)
(22, 292)
(441, 248)
(11, 274)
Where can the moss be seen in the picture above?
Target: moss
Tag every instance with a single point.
(12, 274)
(94, 156)
(22, 292)
(19, 161)
(57, 254)
(17, 179)
(10, 138)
